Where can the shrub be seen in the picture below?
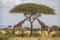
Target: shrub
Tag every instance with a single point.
(24, 34)
(36, 34)
(56, 35)
(9, 34)
(3, 37)
(35, 29)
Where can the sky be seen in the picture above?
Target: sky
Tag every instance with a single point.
(7, 18)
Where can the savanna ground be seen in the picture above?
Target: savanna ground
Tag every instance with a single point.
(35, 38)
(6, 34)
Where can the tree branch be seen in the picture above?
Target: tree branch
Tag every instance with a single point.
(34, 19)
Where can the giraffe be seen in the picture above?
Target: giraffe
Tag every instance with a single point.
(43, 26)
(18, 26)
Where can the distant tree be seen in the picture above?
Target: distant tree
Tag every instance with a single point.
(59, 29)
(9, 26)
(26, 28)
(32, 11)
(54, 28)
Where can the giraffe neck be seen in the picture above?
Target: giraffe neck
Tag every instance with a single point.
(21, 22)
(40, 22)
(43, 26)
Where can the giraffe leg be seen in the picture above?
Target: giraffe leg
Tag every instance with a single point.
(44, 32)
(48, 33)
(13, 31)
(48, 30)
(41, 32)
(19, 32)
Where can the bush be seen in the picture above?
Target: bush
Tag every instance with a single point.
(56, 35)
(36, 34)
(9, 34)
(59, 29)
(24, 34)
(35, 29)
(3, 37)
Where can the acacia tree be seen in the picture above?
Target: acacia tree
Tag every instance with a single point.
(9, 27)
(32, 11)
(54, 28)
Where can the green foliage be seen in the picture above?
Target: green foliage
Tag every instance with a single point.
(32, 8)
(26, 28)
(36, 29)
(10, 26)
(9, 34)
(54, 28)
(59, 29)
(50, 30)
(36, 34)
(24, 34)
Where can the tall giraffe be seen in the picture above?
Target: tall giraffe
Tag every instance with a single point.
(43, 26)
(18, 26)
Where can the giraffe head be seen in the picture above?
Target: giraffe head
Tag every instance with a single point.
(25, 19)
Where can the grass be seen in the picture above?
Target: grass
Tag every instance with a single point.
(7, 35)
(35, 38)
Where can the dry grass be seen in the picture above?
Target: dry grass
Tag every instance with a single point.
(17, 32)
(2, 31)
(35, 38)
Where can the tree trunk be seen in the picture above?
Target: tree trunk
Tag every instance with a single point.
(31, 27)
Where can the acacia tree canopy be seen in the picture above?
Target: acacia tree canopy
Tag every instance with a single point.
(32, 9)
